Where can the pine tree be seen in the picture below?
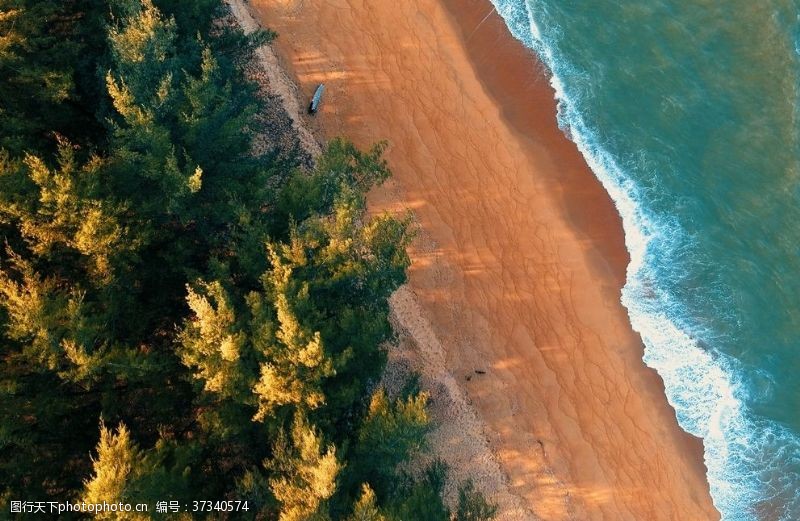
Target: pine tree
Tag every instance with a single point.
(142, 85)
(421, 498)
(390, 433)
(64, 215)
(306, 477)
(342, 167)
(472, 505)
(116, 467)
(366, 508)
(212, 344)
(296, 363)
(342, 271)
(125, 473)
(216, 343)
(46, 80)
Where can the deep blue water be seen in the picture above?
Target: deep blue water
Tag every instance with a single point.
(687, 111)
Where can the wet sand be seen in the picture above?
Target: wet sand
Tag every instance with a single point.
(519, 259)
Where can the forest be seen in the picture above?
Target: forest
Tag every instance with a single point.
(187, 318)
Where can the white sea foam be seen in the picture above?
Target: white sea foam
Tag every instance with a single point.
(700, 385)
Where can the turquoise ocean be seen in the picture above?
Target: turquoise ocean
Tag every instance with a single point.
(688, 112)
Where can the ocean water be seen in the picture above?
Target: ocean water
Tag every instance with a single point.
(687, 111)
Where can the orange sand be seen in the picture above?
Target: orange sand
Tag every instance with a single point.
(520, 257)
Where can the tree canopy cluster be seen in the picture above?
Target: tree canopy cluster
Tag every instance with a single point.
(184, 317)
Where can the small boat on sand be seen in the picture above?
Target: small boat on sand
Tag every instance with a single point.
(316, 100)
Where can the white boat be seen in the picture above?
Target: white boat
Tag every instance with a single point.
(316, 99)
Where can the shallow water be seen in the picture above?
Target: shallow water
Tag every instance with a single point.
(687, 111)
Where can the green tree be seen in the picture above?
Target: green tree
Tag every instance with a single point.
(342, 271)
(472, 505)
(421, 499)
(46, 84)
(390, 433)
(342, 167)
(142, 83)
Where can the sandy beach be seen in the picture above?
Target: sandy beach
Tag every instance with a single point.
(518, 262)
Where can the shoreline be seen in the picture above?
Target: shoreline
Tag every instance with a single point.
(578, 426)
(586, 203)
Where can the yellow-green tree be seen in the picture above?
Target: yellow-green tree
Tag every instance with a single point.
(366, 508)
(211, 343)
(306, 473)
(115, 468)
